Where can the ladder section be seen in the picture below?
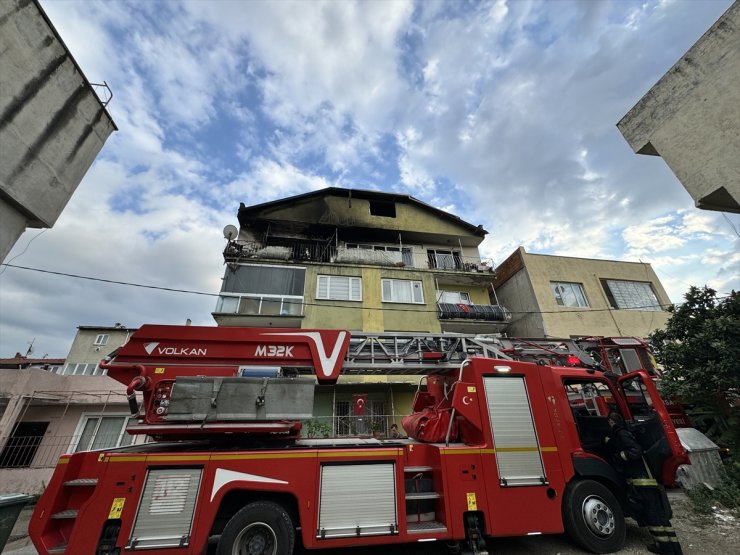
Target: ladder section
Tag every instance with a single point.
(423, 510)
(413, 353)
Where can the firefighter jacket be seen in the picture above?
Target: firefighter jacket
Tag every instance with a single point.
(626, 453)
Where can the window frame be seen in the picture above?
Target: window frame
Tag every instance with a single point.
(559, 297)
(82, 423)
(447, 255)
(329, 278)
(440, 293)
(613, 301)
(231, 302)
(101, 339)
(392, 281)
(82, 369)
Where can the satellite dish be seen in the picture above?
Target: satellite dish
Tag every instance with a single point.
(230, 232)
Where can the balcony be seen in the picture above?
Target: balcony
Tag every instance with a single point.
(472, 318)
(399, 256)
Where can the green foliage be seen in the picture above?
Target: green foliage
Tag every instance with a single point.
(727, 495)
(316, 428)
(700, 348)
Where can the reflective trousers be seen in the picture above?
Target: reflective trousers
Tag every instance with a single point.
(650, 508)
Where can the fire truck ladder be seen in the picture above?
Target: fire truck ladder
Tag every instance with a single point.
(413, 353)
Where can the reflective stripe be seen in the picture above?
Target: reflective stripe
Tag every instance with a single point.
(661, 529)
(621, 454)
(642, 482)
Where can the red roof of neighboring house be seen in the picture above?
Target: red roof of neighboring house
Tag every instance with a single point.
(19, 361)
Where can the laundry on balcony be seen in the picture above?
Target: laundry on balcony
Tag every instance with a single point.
(491, 313)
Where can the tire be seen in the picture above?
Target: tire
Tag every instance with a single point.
(260, 528)
(593, 517)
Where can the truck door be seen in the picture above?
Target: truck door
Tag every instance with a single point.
(652, 426)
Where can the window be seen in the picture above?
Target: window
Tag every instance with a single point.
(444, 259)
(638, 398)
(101, 432)
(339, 288)
(83, 369)
(631, 295)
(262, 290)
(101, 339)
(385, 208)
(402, 291)
(22, 445)
(453, 297)
(568, 294)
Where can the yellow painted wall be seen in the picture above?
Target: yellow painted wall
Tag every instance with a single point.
(598, 318)
(331, 314)
(370, 315)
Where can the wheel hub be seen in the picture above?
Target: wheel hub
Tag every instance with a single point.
(598, 516)
(256, 539)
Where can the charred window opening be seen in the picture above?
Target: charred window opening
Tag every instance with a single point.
(383, 208)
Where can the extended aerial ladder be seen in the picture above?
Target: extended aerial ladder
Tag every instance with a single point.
(199, 381)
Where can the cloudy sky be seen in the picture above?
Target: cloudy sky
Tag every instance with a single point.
(501, 112)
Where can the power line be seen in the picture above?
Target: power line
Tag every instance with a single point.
(24, 250)
(327, 305)
(171, 289)
(729, 221)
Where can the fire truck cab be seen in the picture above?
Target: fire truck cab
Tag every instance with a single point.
(496, 447)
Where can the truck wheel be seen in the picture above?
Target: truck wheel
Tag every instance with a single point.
(593, 517)
(260, 528)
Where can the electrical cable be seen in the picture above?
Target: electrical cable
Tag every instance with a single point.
(24, 250)
(327, 305)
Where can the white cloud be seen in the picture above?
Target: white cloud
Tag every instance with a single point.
(503, 112)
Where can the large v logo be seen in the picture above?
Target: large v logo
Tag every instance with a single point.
(327, 361)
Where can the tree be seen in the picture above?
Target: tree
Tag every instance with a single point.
(700, 351)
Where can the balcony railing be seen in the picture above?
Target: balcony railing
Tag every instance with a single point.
(478, 312)
(44, 451)
(260, 305)
(369, 425)
(376, 255)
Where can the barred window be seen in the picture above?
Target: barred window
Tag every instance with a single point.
(631, 295)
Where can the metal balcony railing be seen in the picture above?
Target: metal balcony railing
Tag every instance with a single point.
(479, 312)
(355, 253)
(369, 425)
(44, 451)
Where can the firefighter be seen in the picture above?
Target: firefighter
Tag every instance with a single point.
(647, 499)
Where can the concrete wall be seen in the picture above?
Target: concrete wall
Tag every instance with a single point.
(83, 348)
(52, 124)
(36, 395)
(691, 117)
(18, 386)
(518, 296)
(370, 315)
(528, 290)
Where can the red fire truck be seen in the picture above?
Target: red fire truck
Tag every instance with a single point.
(496, 447)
